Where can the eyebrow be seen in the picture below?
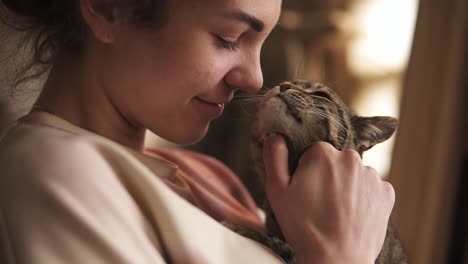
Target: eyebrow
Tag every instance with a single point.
(252, 21)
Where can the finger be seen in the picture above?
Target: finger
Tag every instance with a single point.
(317, 156)
(316, 151)
(387, 192)
(275, 156)
(390, 192)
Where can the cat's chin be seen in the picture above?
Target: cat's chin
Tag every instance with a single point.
(293, 152)
(269, 134)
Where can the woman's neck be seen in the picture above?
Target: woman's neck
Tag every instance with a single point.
(74, 93)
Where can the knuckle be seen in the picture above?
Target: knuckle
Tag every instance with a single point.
(318, 151)
(326, 147)
(372, 171)
(352, 154)
(275, 145)
(390, 191)
(321, 147)
(352, 158)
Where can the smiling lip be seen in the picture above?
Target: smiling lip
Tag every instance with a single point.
(213, 109)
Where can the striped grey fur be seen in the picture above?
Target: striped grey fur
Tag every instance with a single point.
(305, 112)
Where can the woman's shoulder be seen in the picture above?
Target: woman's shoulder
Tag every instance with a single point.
(25, 143)
(39, 153)
(66, 184)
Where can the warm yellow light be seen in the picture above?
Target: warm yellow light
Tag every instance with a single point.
(379, 55)
(290, 20)
(385, 34)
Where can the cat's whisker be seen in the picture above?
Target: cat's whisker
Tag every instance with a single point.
(335, 120)
(324, 114)
(256, 95)
(321, 98)
(266, 88)
(245, 101)
(247, 98)
(248, 95)
(246, 112)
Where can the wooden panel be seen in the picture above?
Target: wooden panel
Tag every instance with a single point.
(428, 150)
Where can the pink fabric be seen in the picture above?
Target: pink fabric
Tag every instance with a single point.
(211, 186)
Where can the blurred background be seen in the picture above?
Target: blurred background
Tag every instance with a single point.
(401, 58)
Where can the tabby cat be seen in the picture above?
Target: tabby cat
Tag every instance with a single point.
(305, 112)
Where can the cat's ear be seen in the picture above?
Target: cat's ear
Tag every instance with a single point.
(372, 130)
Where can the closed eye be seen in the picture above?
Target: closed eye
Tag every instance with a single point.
(230, 45)
(323, 95)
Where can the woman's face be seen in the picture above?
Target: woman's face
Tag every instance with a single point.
(176, 79)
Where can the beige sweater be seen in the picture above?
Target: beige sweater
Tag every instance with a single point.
(71, 196)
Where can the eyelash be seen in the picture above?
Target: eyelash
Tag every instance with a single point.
(230, 45)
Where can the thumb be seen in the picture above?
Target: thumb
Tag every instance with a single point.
(275, 157)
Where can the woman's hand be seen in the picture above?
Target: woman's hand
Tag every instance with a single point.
(333, 209)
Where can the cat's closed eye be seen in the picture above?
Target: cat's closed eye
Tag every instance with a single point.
(322, 94)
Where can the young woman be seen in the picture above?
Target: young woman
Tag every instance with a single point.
(77, 185)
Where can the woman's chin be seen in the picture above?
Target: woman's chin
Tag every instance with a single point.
(186, 137)
(189, 140)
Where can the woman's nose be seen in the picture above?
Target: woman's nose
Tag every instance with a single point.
(246, 76)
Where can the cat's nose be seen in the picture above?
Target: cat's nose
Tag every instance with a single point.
(284, 87)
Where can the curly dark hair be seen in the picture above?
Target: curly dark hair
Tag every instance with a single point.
(52, 27)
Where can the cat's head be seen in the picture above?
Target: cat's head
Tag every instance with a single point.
(305, 112)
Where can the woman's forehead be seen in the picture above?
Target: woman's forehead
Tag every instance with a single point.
(266, 11)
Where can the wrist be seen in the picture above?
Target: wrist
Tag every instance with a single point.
(326, 255)
(330, 259)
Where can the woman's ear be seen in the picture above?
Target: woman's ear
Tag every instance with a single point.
(101, 17)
